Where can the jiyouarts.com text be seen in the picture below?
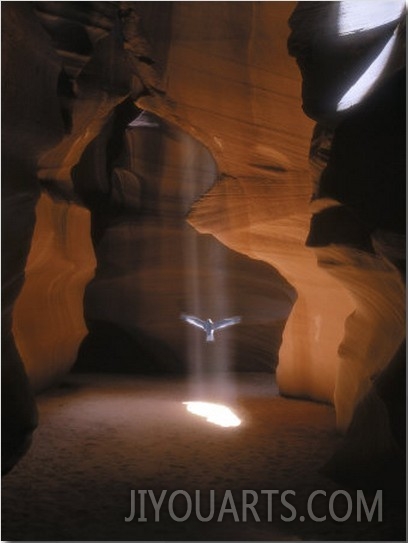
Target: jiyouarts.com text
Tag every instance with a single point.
(252, 505)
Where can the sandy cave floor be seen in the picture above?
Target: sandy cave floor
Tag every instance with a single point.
(102, 436)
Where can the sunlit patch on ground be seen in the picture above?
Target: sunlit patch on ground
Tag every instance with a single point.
(215, 413)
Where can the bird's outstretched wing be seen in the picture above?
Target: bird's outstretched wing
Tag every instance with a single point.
(223, 323)
(193, 320)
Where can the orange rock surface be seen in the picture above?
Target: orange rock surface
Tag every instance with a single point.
(219, 76)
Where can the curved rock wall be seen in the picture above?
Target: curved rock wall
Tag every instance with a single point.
(80, 74)
(153, 266)
(260, 207)
(48, 322)
(239, 93)
(219, 72)
(25, 80)
(64, 70)
(358, 226)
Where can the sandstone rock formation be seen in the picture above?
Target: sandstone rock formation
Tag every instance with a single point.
(57, 93)
(182, 131)
(261, 205)
(358, 224)
(153, 266)
(260, 140)
(50, 304)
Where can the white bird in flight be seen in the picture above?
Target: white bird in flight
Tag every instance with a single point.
(208, 325)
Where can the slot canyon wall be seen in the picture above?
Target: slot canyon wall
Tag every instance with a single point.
(135, 137)
(63, 73)
(153, 266)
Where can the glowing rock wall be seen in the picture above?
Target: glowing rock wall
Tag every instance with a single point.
(57, 94)
(238, 92)
(358, 159)
(242, 101)
(153, 265)
(221, 73)
(48, 322)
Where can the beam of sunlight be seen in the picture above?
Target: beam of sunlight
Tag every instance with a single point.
(206, 285)
(362, 86)
(218, 414)
(359, 16)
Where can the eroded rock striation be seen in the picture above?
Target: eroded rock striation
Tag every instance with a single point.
(153, 265)
(64, 70)
(344, 253)
(169, 147)
(358, 223)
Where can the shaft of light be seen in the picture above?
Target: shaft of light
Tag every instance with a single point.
(362, 15)
(363, 85)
